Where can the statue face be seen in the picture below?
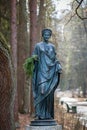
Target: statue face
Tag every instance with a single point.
(46, 35)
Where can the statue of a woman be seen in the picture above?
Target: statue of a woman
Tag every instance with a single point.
(46, 76)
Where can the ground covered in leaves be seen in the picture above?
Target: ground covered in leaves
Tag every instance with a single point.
(24, 119)
(69, 121)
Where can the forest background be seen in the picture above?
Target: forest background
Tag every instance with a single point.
(21, 23)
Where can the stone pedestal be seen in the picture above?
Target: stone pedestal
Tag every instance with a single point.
(37, 122)
(55, 127)
(43, 125)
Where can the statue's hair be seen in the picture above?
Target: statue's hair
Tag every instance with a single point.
(46, 29)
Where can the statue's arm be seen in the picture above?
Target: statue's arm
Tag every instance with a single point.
(58, 64)
(34, 85)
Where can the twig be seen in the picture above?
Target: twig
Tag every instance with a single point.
(70, 19)
(77, 1)
(76, 10)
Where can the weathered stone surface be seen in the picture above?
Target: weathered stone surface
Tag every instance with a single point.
(37, 122)
(56, 127)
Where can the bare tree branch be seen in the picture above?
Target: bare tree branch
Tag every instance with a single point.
(76, 10)
(70, 19)
(77, 1)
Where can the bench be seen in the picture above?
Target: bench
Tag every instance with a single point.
(72, 107)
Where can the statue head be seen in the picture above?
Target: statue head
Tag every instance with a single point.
(46, 34)
(46, 30)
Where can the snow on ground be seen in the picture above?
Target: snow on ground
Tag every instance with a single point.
(66, 97)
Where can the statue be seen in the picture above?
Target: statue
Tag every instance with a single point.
(46, 76)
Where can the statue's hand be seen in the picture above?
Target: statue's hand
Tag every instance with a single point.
(58, 67)
(35, 57)
(42, 90)
(34, 95)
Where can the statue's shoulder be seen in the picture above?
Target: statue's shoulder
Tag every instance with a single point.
(51, 44)
(39, 44)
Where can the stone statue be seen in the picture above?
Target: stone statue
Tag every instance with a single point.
(46, 77)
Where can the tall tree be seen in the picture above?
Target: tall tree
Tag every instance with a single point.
(73, 42)
(33, 23)
(22, 54)
(6, 89)
(14, 34)
(14, 49)
(33, 35)
(41, 18)
(46, 9)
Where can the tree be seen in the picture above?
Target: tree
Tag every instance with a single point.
(33, 23)
(41, 19)
(14, 50)
(6, 89)
(33, 37)
(22, 54)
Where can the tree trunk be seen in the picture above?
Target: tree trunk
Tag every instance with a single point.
(33, 38)
(14, 50)
(23, 53)
(41, 19)
(33, 24)
(6, 90)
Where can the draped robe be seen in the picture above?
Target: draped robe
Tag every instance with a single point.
(45, 79)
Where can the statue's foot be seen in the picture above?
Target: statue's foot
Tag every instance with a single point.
(45, 118)
(36, 118)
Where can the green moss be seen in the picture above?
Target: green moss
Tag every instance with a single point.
(3, 42)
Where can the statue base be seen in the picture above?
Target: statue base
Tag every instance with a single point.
(43, 125)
